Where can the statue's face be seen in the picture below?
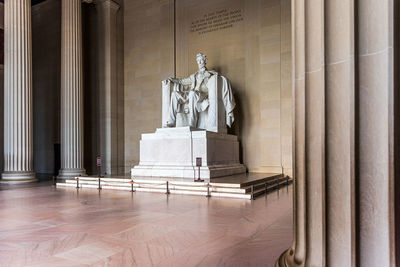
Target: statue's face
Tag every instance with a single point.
(201, 62)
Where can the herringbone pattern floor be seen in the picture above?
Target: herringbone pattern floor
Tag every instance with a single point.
(44, 226)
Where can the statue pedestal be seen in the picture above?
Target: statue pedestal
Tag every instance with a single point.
(172, 152)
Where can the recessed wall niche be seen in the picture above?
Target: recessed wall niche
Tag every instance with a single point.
(249, 42)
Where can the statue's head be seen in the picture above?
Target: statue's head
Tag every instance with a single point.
(201, 60)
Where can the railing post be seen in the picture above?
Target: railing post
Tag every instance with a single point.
(252, 192)
(132, 182)
(266, 189)
(77, 182)
(167, 188)
(208, 190)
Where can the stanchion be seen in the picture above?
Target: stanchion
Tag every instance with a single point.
(77, 182)
(132, 182)
(54, 180)
(252, 192)
(167, 188)
(198, 164)
(287, 179)
(208, 190)
(99, 187)
(266, 189)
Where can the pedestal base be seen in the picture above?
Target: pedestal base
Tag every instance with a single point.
(172, 152)
(18, 177)
(66, 174)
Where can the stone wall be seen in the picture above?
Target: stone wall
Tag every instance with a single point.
(1, 98)
(252, 49)
(91, 87)
(90, 92)
(286, 86)
(46, 69)
(149, 58)
(46, 36)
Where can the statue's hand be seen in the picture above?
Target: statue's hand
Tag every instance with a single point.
(174, 80)
(230, 119)
(169, 79)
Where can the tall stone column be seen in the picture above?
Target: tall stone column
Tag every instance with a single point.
(375, 35)
(18, 124)
(314, 131)
(343, 204)
(71, 90)
(340, 133)
(298, 250)
(108, 84)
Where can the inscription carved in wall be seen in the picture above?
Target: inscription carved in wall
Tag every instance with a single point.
(216, 20)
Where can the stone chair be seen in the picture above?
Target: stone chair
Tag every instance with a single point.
(212, 119)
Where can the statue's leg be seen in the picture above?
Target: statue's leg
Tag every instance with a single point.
(193, 113)
(173, 108)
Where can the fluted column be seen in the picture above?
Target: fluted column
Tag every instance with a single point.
(343, 202)
(375, 74)
(340, 112)
(298, 250)
(71, 90)
(108, 84)
(18, 130)
(315, 131)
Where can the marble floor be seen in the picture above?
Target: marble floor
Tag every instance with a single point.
(44, 226)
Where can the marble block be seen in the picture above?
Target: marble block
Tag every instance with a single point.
(172, 152)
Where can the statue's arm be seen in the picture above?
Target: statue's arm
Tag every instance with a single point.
(184, 81)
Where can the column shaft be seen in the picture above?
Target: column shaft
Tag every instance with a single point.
(343, 133)
(108, 86)
(18, 130)
(339, 82)
(315, 132)
(299, 130)
(374, 88)
(71, 90)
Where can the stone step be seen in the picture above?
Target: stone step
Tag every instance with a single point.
(270, 183)
(171, 185)
(161, 190)
(282, 183)
(230, 186)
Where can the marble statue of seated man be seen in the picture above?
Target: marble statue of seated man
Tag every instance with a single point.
(200, 93)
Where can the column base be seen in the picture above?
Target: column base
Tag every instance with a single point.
(18, 177)
(67, 174)
(286, 259)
